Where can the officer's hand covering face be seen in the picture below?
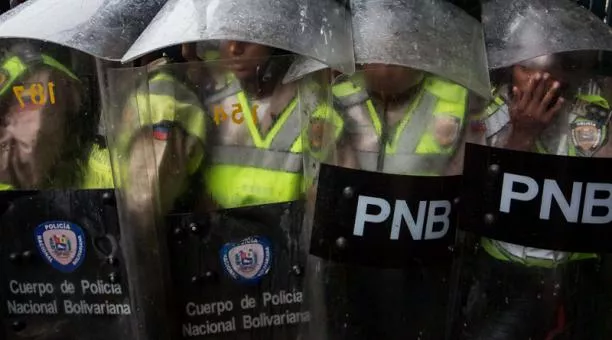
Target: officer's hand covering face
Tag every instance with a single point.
(542, 85)
(245, 60)
(549, 104)
(569, 69)
(391, 80)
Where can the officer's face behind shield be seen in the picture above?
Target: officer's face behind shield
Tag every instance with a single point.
(389, 81)
(568, 69)
(41, 139)
(246, 60)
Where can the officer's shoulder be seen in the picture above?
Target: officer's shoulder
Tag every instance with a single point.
(221, 78)
(157, 69)
(444, 89)
(347, 85)
(160, 75)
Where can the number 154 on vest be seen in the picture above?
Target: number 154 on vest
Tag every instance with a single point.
(237, 114)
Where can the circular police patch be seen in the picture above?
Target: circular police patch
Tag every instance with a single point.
(248, 260)
(446, 129)
(62, 244)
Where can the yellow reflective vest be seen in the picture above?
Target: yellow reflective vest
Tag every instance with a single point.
(267, 167)
(421, 143)
(495, 120)
(154, 103)
(158, 105)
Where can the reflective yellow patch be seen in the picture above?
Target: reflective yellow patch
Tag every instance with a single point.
(587, 135)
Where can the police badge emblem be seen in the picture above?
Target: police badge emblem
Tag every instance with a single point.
(248, 260)
(587, 136)
(588, 130)
(446, 129)
(61, 244)
(316, 133)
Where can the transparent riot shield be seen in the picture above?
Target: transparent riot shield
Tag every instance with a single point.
(227, 150)
(132, 153)
(536, 192)
(536, 198)
(381, 220)
(63, 269)
(322, 25)
(54, 144)
(104, 29)
(383, 217)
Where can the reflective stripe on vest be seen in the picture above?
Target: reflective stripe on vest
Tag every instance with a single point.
(498, 116)
(283, 134)
(529, 256)
(353, 99)
(268, 169)
(280, 149)
(98, 173)
(6, 187)
(257, 158)
(401, 152)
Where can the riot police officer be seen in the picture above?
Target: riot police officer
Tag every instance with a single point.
(412, 121)
(271, 122)
(53, 85)
(404, 111)
(171, 125)
(48, 141)
(253, 118)
(548, 100)
(243, 237)
(36, 152)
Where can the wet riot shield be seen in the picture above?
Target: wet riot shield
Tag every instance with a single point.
(223, 136)
(65, 273)
(232, 188)
(381, 216)
(536, 192)
(63, 269)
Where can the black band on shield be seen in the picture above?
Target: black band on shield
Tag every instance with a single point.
(383, 220)
(536, 200)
